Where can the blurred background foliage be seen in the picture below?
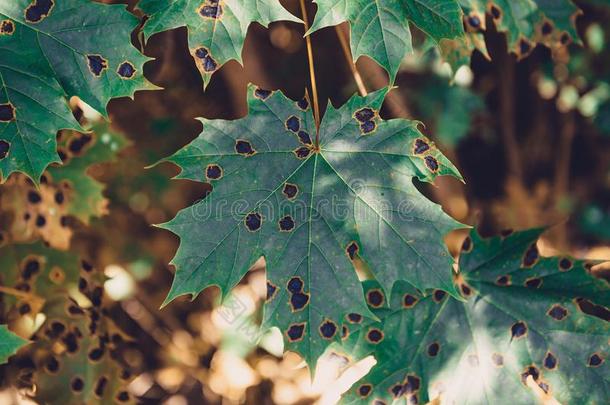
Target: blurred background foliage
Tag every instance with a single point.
(532, 139)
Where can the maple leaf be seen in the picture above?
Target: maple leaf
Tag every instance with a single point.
(523, 317)
(311, 211)
(52, 50)
(216, 29)
(380, 29)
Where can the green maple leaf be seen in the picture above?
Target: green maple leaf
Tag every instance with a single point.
(216, 29)
(522, 318)
(9, 344)
(380, 29)
(52, 50)
(102, 145)
(308, 211)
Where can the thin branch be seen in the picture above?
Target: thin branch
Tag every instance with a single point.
(350, 61)
(312, 74)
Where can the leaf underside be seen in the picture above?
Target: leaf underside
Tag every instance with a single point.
(216, 30)
(310, 213)
(523, 317)
(52, 50)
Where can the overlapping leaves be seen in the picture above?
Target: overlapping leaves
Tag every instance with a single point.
(51, 50)
(9, 343)
(217, 29)
(310, 211)
(523, 317)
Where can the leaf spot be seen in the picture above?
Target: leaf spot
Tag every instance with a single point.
(205, 60)
(518, 330)
(244, 147)
(595, 360)
(352, 250)
(295, 332)
(466, 290)
(7, 27)
(438, 295)
(433, 349)
(302, 152)
(262, 94)
(253, 221)
(328, 329)
(304, 138)
(210, 9)
(123, 396)
(213, 172)
(97, 64)
(354, 318)
(368, 127)
(38, 10)
(530, 370)
(550, 361)
(52, 365)
(4, 148)
(497, 359)
(431, 163)
(531, 256)
(467, 245)
(290, 191)
(293, 124)
(557, 312)
(409, 301)
(286, 224)
(298, 301)
(295, 285)
(503, 281)
(495, 12)
(77, 384)
(344, 332)
(365, 114)
(375, 298)
(126, 70)
(374, 336)
(100, 386)
(565, 264)
(303, 104)
(547, 28)
(533, 282)
(364, 390)
(7, 112)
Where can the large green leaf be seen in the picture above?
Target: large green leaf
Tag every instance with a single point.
(51, 50)
(217, 29)
(9, 343)
(380, 29)
(309, 210)
(523, 316)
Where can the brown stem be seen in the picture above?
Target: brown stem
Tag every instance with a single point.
(350, 61)
(312, 74)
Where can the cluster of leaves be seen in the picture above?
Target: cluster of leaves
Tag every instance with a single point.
(316, 202)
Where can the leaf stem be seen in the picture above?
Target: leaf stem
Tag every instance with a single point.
(312, 74)
(350, 60)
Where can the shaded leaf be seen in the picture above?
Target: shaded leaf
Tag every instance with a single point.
(310, 211)
(54, 50)
(523, 316)
(380, 29)
(216, 29)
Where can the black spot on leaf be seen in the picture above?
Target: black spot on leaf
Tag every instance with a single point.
(123, 396)
(412, 384)
(4, 149)
(126, 70)
(375, 298)
(303, 104)
(304, 138)
(595, 360)
(100, 386)
(97, 64)
(473, 21)
(397, 390)
(374, 335)
(77, 384)
(409, 301)
(293, 124)
(557, 312)
(344, 332)
(299, 301)
(205, 60)
(438, 295)
(565, 264)
(302, 152)
(295, 332)
(524, 47)
(364, 390)
(40, 221)
(31, 267)
(7, 113)
(290, 190)
(210, 9)
(52, 365)
(550, 361)
(244, 147)
(497, 359)
(467, 245)
(352, 250)
(433, 349)
(262, 94)
(420, 146)
(533, 282)
(364, 114)
(59, 197)
(530, 256)
(86, 266)
(213, 172)
(295, 285)
(328, 329)
(565, 38)
(431, 163)
(518, 330)
(503, 281)
(7, 27)
(96, 354)
(354, 318)
(466, 290)
(495, 12)
(38, 10)
(25, 309)
(530, 371)
(547, 28)
(367, 127)
(286, 224)
(253, 221)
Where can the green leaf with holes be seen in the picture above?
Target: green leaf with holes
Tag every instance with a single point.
(380, 29)
(9, 344)
(216, 29)
(525, 23)
(52, 50)
(310, 210)
(523, 317)
(82, 152)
